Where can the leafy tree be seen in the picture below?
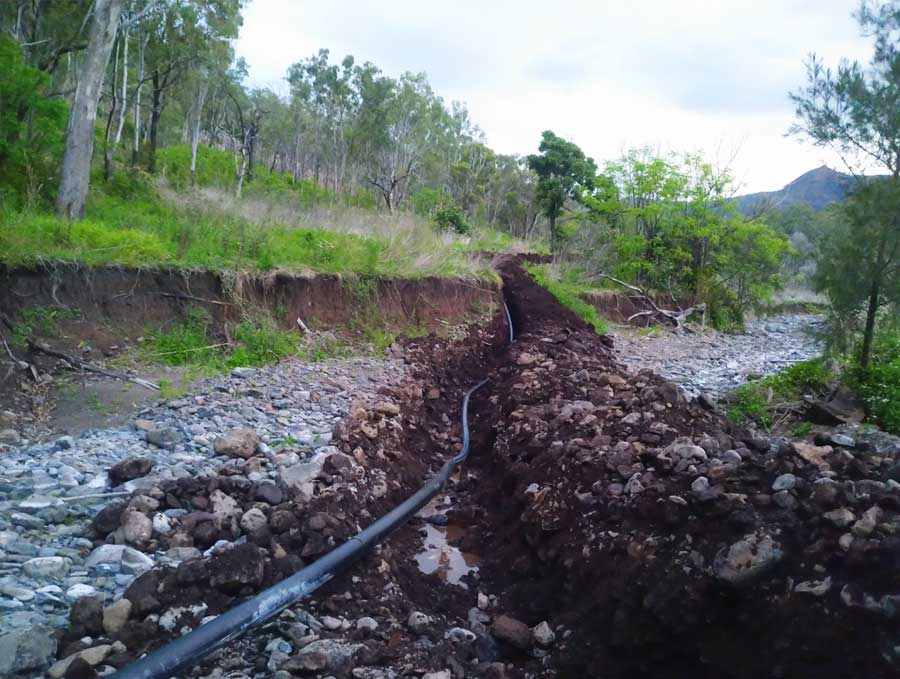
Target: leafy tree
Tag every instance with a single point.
(564, 173)
(853, 109)
(675, 229)
(31, 126)
(851, 239)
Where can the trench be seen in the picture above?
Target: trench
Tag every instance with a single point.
(564, 514)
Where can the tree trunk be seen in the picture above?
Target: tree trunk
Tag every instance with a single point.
(136, 148)
(124, 108)
(107, 151)
(202, 90)
(76, 168)
(155, 112)
(874, 293)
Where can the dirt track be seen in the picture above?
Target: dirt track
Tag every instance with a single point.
(651, 538)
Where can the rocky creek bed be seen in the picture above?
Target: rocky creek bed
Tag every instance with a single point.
(713, 363)
(619, 528)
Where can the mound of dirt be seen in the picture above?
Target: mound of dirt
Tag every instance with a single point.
(661, 541)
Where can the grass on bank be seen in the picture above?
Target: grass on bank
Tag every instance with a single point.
(568, 286)
(757, 400)
(256, 343)
(130, 223)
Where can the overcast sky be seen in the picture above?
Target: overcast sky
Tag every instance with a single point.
(673, 74)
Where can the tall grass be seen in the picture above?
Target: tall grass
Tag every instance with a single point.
(216, 233)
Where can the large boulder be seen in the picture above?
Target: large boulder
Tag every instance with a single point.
(26, 649)
(237, 443)
(130, 468)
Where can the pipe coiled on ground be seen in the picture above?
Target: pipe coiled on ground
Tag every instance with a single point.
(190, 648)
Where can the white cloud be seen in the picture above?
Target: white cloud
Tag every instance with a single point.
(679, 75)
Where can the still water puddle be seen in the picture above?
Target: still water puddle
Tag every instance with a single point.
(439, 556)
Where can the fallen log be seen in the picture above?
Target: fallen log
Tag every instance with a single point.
(89, 367)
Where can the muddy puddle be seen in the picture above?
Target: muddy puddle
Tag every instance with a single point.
(438, 553)
(439, 556)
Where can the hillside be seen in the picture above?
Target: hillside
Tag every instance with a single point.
(817, 188)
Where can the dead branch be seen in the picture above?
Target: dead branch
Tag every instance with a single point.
(676, 317)
(179, 295)
(72, 360)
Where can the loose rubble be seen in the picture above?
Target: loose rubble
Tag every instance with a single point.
(713, 363)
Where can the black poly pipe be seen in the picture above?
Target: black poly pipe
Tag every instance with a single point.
(188, 649)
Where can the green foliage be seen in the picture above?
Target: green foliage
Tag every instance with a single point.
(188, 343)
(568, 286)
(802, 429)
(756, 400)
(32, 128)
(260, 345)
(879, 384)
(853, 108)
(38, 320)
(184, 343)
(450, 217)
(564, 172)
(668, 224)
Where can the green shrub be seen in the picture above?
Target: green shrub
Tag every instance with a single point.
(36, 319)
(260, 345)
(879, 387)
(450, 217)
(755, 400)
(184, 343)
(32, 130)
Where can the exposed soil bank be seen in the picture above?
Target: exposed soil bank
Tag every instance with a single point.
(109, 308)
(132, 300)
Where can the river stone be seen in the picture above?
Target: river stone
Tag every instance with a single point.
(237, 443)
(841, 517)
(543, 634)
(87, 612)
(164, 437)
(10, 437)
(268, 492)
(512, 631)
(131, 560)
(137, 527)
(332, 655)
(108, 518)
(747, 558)
(784, 482)
(116, 615)
(253, 519)
(47, 567)
(236, 568)
(26, 649)
(130, 468)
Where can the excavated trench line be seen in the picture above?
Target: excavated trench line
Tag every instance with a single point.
(192, 647)
(625, 576)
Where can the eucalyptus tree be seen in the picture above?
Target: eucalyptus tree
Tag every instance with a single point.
(854, 110)
(76, 166)
(564, 173)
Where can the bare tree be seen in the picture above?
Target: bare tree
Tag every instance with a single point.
(76, 168)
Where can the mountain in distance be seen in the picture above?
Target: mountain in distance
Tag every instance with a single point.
(817, 188)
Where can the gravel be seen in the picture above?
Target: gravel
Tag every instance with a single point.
(50, 492)
(713, 363)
